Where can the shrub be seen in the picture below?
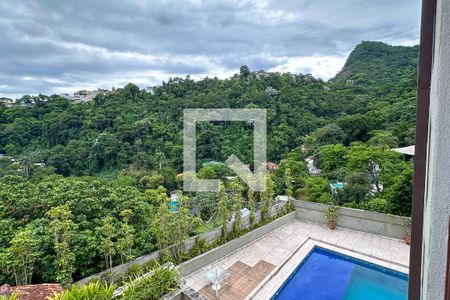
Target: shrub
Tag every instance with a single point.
(201, 246)
(13, 296)
(151, 265)
(106, 277)
(91, 291)
(135, 271)
(153, 287)
(376, 204)
(331, 214)
(166, 257)
(121, 279)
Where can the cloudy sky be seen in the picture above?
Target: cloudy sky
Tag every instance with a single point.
(61, 45)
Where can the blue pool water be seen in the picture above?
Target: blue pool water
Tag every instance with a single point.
(328, 275)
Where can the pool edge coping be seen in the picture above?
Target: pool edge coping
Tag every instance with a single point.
(289, 265)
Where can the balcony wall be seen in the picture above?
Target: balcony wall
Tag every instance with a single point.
(355, 219)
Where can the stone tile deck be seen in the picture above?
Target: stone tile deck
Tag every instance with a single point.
(285, 247)
(242, 281)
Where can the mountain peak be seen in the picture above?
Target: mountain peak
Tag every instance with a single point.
(387, 62)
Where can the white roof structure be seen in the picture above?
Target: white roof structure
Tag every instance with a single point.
(283, 198)
(406, 150)
(312, 169)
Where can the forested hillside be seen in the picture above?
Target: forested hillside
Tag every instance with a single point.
(110, 164)
(374, 91)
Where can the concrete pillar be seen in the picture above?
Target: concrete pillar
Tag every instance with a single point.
(437, 195)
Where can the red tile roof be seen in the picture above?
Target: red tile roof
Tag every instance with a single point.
(32, 291)
(271, 166)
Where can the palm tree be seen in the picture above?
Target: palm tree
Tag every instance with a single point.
(160, 156)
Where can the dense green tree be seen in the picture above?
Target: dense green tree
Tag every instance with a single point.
(332, 157)
(371, 159)
(7, 168)
(125, 239)
(20, 257)
(383, 139)
(251, 205)
(205, 204)
(267, 198)
(63, 229)
(289, 182)
(223, 213)
(356, 189)
(156, 197)
(244, 71)
(357, 127)
(317, 189)
(295, 162)
(172, 228)
(152, 182)
(329, 134)
(236, 189)
(400, 193)
(107, 233)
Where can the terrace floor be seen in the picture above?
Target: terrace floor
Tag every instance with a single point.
(260, 268)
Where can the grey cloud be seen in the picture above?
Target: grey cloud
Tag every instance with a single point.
(84, 42)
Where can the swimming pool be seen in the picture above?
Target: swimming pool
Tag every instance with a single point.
(328, 275)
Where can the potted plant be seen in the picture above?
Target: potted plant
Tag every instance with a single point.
(331, 215)
(407, 224)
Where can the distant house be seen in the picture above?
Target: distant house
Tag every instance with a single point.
(84, 96)
(80, 96)
(32, 291)
(271, 91)
(312, 169)
(8, 102)
(149, 90)
(40, 164)
(66, 96)
(406, 152)
(173, 205)
(335, 186)
(174, 196)
(207, 162)
(282, 198)
(244, 213)
(271, 166)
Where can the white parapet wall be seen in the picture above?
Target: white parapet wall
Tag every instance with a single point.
(355, 219)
